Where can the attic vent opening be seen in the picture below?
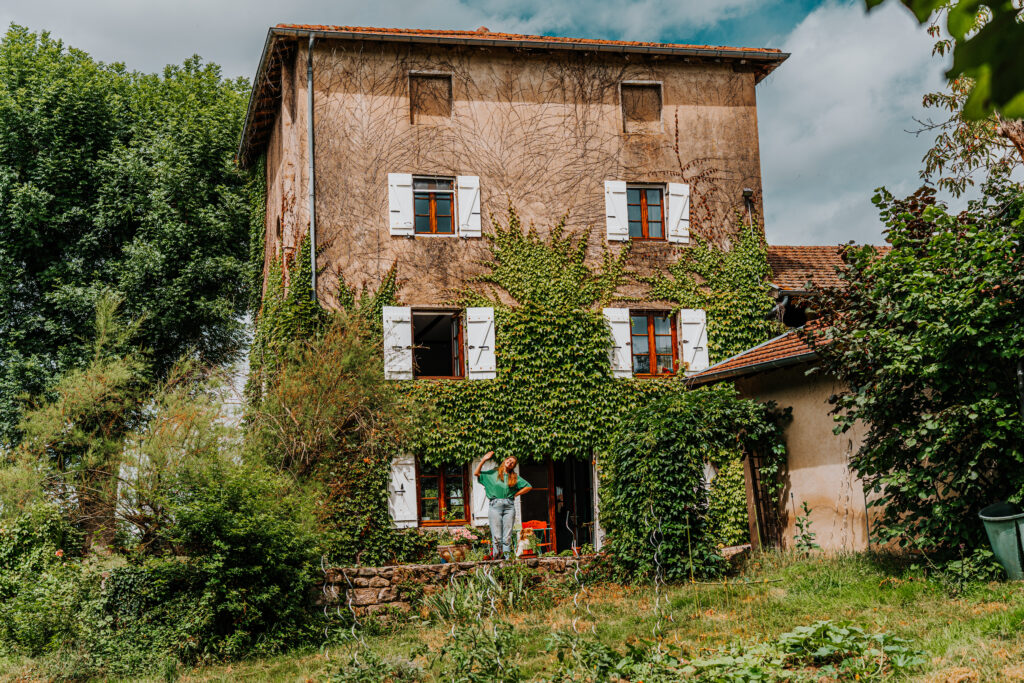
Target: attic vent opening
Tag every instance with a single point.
(430, 97)
(641, 107)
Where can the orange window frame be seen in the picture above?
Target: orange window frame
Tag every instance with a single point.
(442, 498)
(431, 197)
(652, 355)
(645, 223)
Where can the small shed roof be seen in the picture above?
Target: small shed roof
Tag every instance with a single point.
(785, 350)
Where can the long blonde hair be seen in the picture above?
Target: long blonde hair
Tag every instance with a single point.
(503, 473)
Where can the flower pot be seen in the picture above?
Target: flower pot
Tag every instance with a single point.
(453, 553)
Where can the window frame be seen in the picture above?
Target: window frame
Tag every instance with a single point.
(432, 206)
(652, 355)
(431, 118)
(441, 498)
(459, 321)
(659, 125)
(644, 206)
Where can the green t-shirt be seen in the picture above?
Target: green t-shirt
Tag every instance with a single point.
(496, 488)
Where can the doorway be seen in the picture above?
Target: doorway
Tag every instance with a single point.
(562, 497)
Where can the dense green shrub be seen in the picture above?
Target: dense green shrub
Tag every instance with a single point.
(727, 504)
(653, 501)
(927, 341)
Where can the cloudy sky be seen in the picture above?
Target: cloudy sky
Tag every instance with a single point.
(833, 119)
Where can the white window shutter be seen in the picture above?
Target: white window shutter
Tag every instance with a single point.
(693, 333)
(402, 492)
(679, 213)
(469, 205)
(615, 209)
(480, 361)
(397, 342)
(478, 498)
(620, 355)
(400, 203)
(596, 491)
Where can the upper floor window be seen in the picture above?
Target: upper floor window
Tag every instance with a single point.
(437, 344)
(641, 107)
(653, 343)
(441, 494)
(430, 97)
(645, 207)
(433, 205)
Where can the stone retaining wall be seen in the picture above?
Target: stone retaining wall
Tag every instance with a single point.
(373, 589)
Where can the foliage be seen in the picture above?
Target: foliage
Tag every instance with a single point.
(989, 39)
(330, 420)
(653, 502)
(479, 653)
(366, 666)
(727, 504)
(928, 340)
(116, 180)
(75, 442)
(839, 651)
(803, 539)
(490, 591)
(730, 285)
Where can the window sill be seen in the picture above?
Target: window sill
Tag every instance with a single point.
(454, 522)
(437, 377)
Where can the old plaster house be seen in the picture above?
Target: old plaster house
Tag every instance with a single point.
(393, 146)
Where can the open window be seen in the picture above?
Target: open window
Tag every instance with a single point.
(437, 344)
(653, 341)
(441, 494)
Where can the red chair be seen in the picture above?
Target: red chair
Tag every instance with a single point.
(541, 529)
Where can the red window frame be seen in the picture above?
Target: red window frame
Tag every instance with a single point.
(442, 497)
(645, 222)
(432, 214)
(652, 355)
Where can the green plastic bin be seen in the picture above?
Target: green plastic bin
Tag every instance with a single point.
(1004, 523)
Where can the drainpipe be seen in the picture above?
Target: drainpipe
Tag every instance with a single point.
(312, 167)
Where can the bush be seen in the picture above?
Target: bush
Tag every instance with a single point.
(654, 504)
(727, 505)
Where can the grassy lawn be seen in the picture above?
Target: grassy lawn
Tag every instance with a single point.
(976, 635)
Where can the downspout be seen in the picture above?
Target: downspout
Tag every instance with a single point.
(312, 167)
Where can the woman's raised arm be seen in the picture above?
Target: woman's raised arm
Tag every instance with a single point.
(487, 456)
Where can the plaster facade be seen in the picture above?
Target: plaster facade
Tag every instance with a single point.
(541, 129)
(818, 460)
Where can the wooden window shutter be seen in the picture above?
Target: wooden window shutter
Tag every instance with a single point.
(679, 213)
(402, 492)
(480, 359)
(693, 336)
(469, 205)
(619, 355)
(397, 342)
(478, 498)
(615, 210)
(400, 204)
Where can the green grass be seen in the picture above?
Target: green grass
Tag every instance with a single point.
(977, 635)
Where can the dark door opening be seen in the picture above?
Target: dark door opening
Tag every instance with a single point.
(437, 344)
(562, 498)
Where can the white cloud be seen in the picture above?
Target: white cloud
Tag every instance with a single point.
(833, 122)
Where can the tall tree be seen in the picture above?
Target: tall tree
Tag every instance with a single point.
(121, 181)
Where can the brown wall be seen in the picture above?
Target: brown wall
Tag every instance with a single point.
(818, 460)
(543, 131)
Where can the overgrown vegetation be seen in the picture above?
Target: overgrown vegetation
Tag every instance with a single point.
(928, 339)
(654, 504)
(122, 181)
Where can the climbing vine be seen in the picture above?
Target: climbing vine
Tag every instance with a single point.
(731, 285)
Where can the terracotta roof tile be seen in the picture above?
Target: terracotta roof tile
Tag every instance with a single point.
(483, 34)
(786, 349)
(794, 268)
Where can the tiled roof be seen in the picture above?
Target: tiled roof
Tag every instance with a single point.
(482, 34)
(283, 39)
(786, 349)
(807, 267)
(793, 268)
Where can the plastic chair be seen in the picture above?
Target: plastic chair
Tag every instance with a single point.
(542, 529)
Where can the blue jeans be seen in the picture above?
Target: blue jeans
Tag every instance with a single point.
(501, 514)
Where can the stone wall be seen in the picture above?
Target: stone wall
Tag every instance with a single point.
(375, 589)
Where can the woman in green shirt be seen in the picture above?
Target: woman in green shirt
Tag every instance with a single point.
(502, 485)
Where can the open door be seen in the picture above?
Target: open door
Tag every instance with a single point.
(562, 498)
